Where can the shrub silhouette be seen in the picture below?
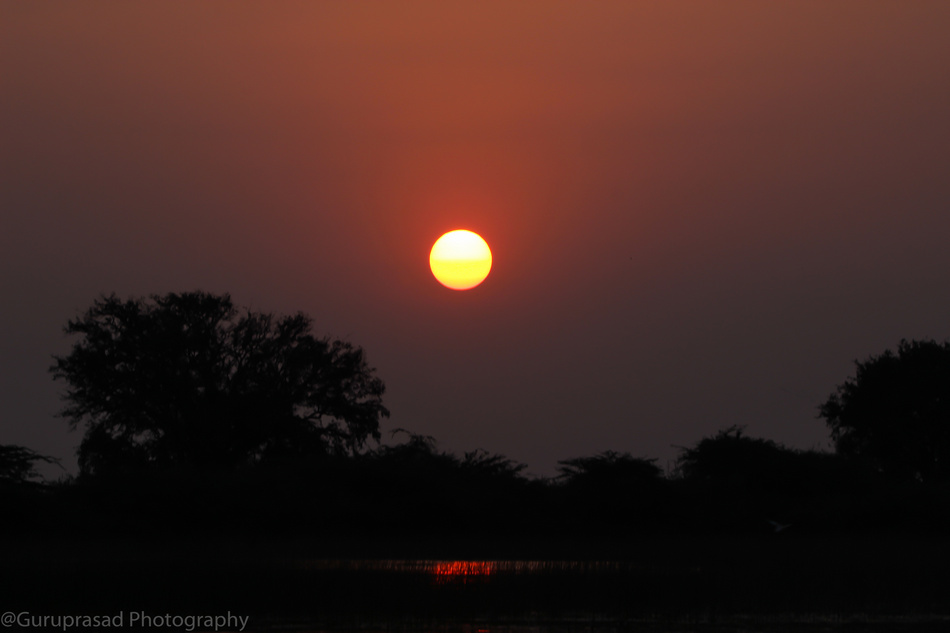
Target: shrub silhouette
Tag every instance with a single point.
(732, 481)
(419, 487)
(733, 459)
(614, 490)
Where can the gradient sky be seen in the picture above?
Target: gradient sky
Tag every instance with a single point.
(700, 213)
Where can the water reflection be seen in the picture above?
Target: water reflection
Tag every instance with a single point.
(462, 570)
(468, 572)
(539, 596)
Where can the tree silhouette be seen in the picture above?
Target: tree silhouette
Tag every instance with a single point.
(609, 468)
(610, 489)
(18, 464)
(729, 457)
(736, 482)
(895, 412)
(187, 380)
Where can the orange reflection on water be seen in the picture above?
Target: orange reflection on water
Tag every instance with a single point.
(462, 570)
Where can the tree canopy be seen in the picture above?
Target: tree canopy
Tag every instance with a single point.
(895, 412)
(609, 467)
(732, 457)
(189, 380)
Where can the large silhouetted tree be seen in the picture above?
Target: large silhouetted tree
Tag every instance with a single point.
(895, 412)
(188, 380)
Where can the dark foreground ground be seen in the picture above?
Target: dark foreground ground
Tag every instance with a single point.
(774, 582)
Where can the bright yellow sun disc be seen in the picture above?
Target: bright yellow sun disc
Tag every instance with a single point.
(460, 260)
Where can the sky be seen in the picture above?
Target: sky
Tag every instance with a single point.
(701, 214)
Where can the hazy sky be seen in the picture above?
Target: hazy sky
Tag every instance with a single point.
(700, 213)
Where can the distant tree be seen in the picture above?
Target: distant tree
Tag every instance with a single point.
(419, 452)
(731, 481)
(609, 469)
(731, 457)
(895, 412)
(189, 380)
(486, 464)
(610, 490)
(18, 464)
(412, 487)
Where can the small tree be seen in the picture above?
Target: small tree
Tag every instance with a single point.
(729, 457)
(188, 380)
(610, 490)
(895, 412)
(610, 469)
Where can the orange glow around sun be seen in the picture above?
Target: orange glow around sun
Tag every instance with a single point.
(460, 260)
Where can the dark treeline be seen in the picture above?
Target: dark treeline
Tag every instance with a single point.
(198, 418)
(742, 526)
(725, 484)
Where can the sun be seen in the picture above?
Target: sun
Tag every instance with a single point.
(460, 260)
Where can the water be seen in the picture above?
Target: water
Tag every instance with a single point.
(466, 569)
(567, 596)
(661, 586)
